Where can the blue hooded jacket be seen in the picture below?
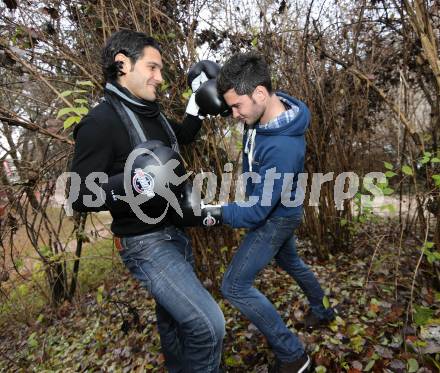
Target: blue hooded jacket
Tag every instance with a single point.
(279, 149)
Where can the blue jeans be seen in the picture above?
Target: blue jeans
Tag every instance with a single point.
(190, 322)
(274, 239)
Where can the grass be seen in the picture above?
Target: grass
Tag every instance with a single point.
(26, 298)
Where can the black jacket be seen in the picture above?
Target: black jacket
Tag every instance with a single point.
(103, 145)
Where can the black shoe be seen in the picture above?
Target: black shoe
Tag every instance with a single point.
(311, 321)
(301, 365)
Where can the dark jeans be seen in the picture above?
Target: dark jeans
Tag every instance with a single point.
(274, 239)
(191, 324)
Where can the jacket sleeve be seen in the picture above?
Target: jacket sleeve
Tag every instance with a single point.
(93, 153)
(274, 164)
(187, 130)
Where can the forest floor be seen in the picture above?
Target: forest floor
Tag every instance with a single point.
(111, 328)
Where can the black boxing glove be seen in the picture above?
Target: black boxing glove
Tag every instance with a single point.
(198, 74)
(190, 205)
(209, 101)
(194, 212)
(153, 176)
(210, 68)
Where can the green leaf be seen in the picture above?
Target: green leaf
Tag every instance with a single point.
(407, 170)
(370, 365)
(389, 207)
(31, 341)
(357, 343)
(355, 329)
(339, 321)
(65, 111)
(434, 361)
(390, 174)
(81, 101)
(413, 366)
(325, 302)
(81, 110)
(431, 256)
(436, 179)
(99, 294)
(388, 166)
(435, 160)
(320, 369)
(387, 191)
(19, 263)
(71, 120)
(23, 290)
(333, 327)
(420, 343)
(224, 249)
(254, 41)
(422, 315)
(46, 251)
(85, 83)
(66, 93)
(334, 341)
(187, 94)
(233, 361)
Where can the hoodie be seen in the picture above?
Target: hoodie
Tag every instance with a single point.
(273, 156)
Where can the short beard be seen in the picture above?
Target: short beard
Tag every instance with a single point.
(257, 120)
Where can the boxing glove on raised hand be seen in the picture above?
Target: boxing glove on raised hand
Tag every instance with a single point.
(209, 101)
(198, 74)
(209, 68)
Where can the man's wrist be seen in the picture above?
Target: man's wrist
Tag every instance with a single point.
(211, 215)
(192, 108)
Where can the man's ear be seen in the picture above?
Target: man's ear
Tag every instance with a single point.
(124, 60)
(261, 93)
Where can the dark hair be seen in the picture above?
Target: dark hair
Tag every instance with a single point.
(131, 43)
(244, 72)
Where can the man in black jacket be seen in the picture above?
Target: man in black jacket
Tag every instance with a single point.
(191, 325)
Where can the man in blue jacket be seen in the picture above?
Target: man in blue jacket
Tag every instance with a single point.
(274, 147)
